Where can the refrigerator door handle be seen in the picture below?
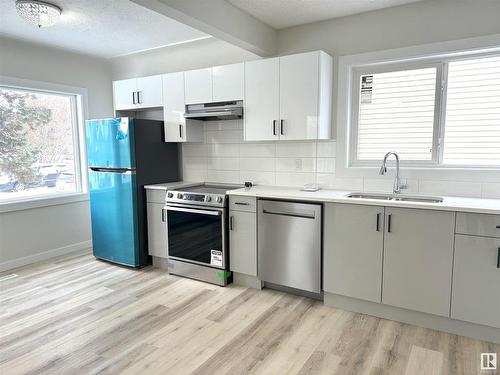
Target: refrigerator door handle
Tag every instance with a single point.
(113, 170)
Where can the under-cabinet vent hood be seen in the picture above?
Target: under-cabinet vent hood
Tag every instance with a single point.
(215, 111)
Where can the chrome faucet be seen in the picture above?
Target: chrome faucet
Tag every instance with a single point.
(398, 185)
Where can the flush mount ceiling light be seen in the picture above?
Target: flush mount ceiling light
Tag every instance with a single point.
(38, 13)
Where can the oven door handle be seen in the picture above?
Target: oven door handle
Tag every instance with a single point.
(194, 211)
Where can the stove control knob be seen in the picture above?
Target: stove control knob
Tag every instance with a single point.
(170, 195)
(219, 199)
(179, 196)
(208, 198)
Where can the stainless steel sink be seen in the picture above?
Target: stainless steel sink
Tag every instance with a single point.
(393, 197)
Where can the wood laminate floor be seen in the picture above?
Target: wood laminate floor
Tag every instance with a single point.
(77, 315)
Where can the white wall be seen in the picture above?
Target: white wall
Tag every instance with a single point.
(199, 54)
(41, 63)
(34, 234)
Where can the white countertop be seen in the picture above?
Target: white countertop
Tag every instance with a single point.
(172, 185)
(462, 204)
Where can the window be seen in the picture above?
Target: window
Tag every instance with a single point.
(472, 121)
(438, 113)
(39, 150)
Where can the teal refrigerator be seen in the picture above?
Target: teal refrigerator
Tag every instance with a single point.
(123, 155)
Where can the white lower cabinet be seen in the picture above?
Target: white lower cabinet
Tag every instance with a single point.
(418, 259)
(243, 242)
(398, 256)
(352, 254)
(157, 223)
(476, 280)
(157, 230)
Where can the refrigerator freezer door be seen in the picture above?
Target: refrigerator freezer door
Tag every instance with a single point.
(114, 217)
(110, 143)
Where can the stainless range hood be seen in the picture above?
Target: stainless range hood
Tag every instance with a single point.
(215, 111)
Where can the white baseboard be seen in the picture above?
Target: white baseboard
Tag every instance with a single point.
(20, 262)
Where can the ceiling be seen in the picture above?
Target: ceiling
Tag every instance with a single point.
(285, 13)
(102, 28)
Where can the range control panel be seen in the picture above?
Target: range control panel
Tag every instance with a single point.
(205, 199)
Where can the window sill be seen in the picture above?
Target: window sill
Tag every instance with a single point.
(423, 167)
(42, 201)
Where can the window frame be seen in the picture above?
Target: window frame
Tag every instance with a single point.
(78, 98)
(441, 63)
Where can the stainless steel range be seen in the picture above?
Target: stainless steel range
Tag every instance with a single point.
(198, 232)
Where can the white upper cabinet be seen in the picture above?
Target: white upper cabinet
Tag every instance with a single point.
(149, 92)
(173, 106)
(289, 98)
(262, 91)
(138, 93)
(176, 129)
(228, 82)
(198, 86)
(285, 98)
(125, 92)
(299, 91)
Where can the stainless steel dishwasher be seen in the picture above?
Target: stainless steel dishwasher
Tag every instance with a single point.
(289, 244)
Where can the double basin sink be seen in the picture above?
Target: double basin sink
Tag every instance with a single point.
(396, 197)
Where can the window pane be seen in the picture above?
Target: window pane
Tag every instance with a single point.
(396, 113)
(472, 126)
(36, 143)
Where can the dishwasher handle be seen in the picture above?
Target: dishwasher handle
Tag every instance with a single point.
(291, 214)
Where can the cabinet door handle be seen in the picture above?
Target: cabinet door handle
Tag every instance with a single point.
(378, 222)
(498, 226)
(180, 130)
(163, 216)
(274, 127)
(498, 258)
(139, 97)
(231, 222)
(282, 127)
(133, 97)
(389, 223)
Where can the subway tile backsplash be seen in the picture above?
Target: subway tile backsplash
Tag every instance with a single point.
(225, 157)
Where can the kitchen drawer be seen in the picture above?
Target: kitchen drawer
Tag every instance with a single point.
(242, 203)
(155, 195)
(478, 224)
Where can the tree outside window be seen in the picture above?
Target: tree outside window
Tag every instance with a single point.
(36, 143)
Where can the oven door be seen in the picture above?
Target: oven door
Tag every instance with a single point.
(197, 235)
